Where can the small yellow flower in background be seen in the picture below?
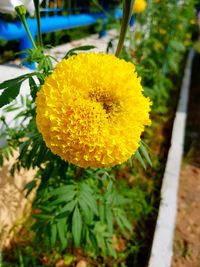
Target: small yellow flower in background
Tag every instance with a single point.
(157, 46)
(193, 21)
(162, 31)
(91, 110)
(139, 6)
(188, 36)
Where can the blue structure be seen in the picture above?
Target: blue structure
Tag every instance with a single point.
(15, 30)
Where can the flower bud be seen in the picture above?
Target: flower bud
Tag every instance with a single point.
(20, 10)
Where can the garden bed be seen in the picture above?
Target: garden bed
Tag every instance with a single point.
(135, 251)
(96, 205)
(186, 243)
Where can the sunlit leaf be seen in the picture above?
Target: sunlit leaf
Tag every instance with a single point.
(80, 48)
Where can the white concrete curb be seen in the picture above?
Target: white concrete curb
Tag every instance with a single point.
(162, 248)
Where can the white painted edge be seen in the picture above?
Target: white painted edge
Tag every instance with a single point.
(162, 247)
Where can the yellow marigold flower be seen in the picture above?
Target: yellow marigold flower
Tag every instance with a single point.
(139, 6)
(91, 110)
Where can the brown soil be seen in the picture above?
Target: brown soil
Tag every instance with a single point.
(14, 206)
(187, 234)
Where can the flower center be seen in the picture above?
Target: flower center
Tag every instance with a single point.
(107, 102)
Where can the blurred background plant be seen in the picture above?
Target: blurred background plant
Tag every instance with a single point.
(101, 215)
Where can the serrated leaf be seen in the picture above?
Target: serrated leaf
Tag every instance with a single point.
(140, 159)
(120, 224)
(86, 188)
(29, 187)
(91, 240)
(145, 154)
(86, 211)
(109, 186)
(125, 222)
(42, 216)
(40, 78)
(109, 219)
(10, 83)
(53, 234)
(80, 48)
(33, 87)
(1, 160)
(63, 190)
(111, 250)
(102, 244)
(62, 228)
(90, 200)
(101, 207)
(77, 226)
(68, 207)
(9, 95)
(64, 198)
(110, 198)
(12, 88)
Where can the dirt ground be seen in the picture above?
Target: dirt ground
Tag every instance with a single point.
(187, 234)
(14, 206)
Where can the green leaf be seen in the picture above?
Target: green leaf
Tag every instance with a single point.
(109, 186)
(86, 211)
(140, 159)
(125, 222)
(42, 216)
(109, 219)
(45, 64)
(62, 228)
(64, 198)
(111, 250)
(102, 244)
(12, 82)
(90, 200)
(30, 186)
(80, 48)
(68, 207)
(33, 87)
(145, 154)
(63, 190)
(120, 224)
(91, 241)
(12, 88)
(1, 160)
(77, 226)
(9, 95)
(53, 234)
(101, 207)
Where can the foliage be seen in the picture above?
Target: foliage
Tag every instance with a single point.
(159, 44)
(74, 206)
(96, 208)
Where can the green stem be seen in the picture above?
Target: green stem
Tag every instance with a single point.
(21, 12)
(37, 12)
(127, 11)
(28, 32)
(1, 259)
